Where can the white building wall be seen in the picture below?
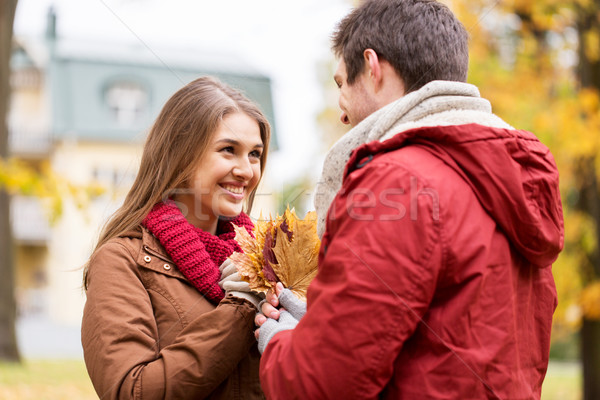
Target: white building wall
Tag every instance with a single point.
(74, 235)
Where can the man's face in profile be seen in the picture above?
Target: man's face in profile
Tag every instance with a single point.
(355, 100)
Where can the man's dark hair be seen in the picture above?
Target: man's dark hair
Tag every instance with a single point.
(421, 39)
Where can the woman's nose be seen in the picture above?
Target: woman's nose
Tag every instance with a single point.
(243, 169)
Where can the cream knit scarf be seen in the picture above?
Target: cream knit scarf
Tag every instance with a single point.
(438, 103)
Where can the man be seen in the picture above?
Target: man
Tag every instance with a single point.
(439, 229)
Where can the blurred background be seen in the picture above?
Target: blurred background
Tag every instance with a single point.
(82, 81)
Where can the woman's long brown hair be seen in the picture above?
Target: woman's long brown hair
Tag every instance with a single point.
(176, 143)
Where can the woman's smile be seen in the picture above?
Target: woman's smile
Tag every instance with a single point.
(234, 188)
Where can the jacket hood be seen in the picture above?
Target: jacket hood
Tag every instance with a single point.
(512, 173)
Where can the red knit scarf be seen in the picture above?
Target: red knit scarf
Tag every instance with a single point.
(197, 254)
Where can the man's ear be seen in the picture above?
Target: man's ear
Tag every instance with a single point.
(384, 79)
(373, 68)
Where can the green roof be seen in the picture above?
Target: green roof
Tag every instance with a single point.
(79, 81)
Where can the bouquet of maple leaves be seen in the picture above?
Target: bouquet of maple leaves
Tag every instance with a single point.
(284, 249)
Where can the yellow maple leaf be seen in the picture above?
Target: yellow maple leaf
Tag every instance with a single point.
(297, 257)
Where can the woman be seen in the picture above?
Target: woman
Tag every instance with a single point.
(157, 323)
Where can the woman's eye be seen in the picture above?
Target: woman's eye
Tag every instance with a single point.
(228, 149)
(255, 154)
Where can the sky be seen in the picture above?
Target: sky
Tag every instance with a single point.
(282, 39)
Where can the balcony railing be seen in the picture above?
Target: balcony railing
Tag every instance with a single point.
(29, 222)
(29, 142)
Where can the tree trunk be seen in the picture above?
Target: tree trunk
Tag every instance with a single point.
(589, 77)
(8, 340)
(588, 21)
(590, 350)
(590, 330)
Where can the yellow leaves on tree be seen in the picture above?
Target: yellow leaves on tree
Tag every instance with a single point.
(282, 250)
(590, 301)
(20, 178)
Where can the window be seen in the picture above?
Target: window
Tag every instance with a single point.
(127, 102)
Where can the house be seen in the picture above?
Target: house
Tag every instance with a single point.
(83, 109)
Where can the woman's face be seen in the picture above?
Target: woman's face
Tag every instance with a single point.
(227, 173)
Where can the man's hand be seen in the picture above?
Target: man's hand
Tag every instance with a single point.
(268, 308)
(287, 318)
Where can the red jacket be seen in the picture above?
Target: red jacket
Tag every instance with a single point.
(434, 274)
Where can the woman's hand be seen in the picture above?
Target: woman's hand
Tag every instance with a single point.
(231, 282)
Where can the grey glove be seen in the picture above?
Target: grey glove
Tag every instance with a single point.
(273, 326)
(295, 310)
(232, 283)
(292, 304)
